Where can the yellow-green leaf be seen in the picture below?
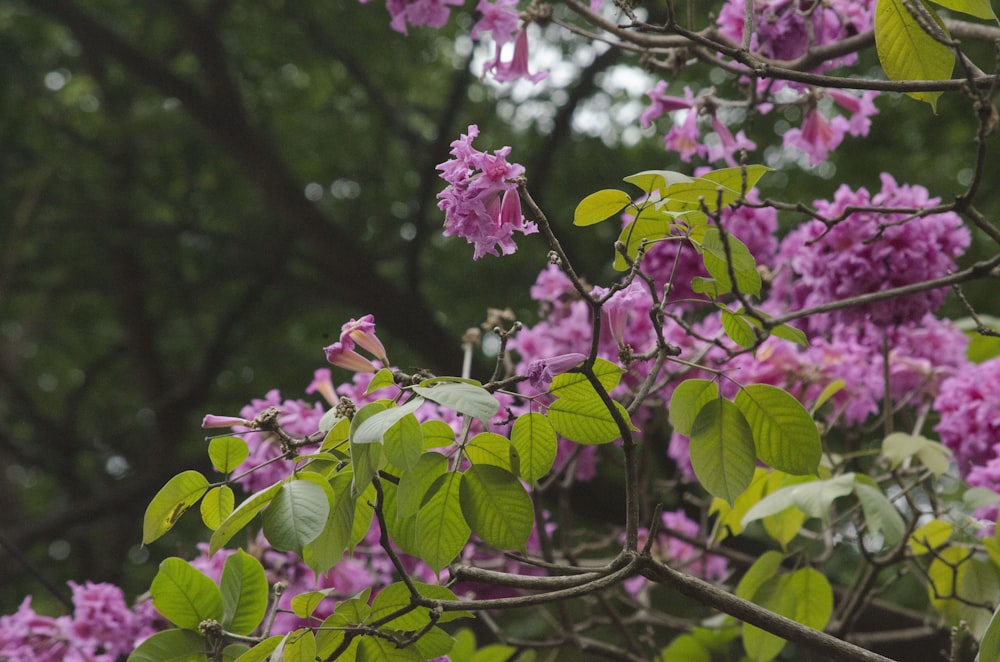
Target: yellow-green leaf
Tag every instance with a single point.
(536, 444)
(180, 493)
(240, 517)
(217, 506)
(600, 206)
(496, 507)
(227, 453)
(722, 451)
(977, 8)
(930, 536)
(906, 50)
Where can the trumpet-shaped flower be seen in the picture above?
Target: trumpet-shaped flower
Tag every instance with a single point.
(517, 67)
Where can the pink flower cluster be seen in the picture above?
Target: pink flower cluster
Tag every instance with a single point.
(867, 252)
(969, 407)
(432, 13)
(684, 137)
(102, 628)
(481, 202)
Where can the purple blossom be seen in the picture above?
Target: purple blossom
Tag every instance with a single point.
(685, 137)
(541, 371)
(213, 421)
(817, 136)
(362, 332)
(340, 355)
(323, 384)
(869, 252)
(480, 202)
(499, 19)
(728, 144)
(432, 13)
(517, 67)
(969, 407)
(102, 628)
(660, 104)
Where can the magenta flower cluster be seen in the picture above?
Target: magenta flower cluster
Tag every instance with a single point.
(102, 628)
(862, 252)
(481, 202)
(969, 407)
(430, 13)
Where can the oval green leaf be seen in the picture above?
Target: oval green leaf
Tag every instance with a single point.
(496, 507)
(441, 530)
(600, 206)
(784, 433)
(184, 595)
(244, 593)
(180, 493)
(296, 516)
(171, 646)
(227, 453)
(585, 421)
(468, 399)
(687, 400)
(722, 450)
(217, 506)
(536, 444)
(906, 50)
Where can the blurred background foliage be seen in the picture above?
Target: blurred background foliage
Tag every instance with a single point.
(198, 193)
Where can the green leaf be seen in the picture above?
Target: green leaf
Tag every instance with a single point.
(171, 646)
(585, 421)
(467, 399)
(536, 444)
(707, 286)
(931, 535)
(337, 434)
(600, 206)
(304, 604)
(227, 453)
(415, 484)
(763, 570)
(687, 400)
(404, 443)
(697, 194)
(977, 8)
(180, 493)
(813, 598)
(642, 228)
(184, 595)
(906, 50)
(401, 530)
(739, 330)
(442, 531)
(434, 643)
(296, 516)
(717, 263)
(381, 379)
(363, 514)
(733, 178)
(958, 583)
(374, 427)
(300, 646)
(245, 512)
(880, 514)
(722, 450)
(979, 497)
(437, 434)
(217, 506)
(828, 392)
(989, 647)
(490, 448)
(365, 457)
(813, 498)
(899, 446)
(327, 549)
(377, 649)
(244, 593)
(576, 386)
(496, 507)
(685, 648)
(763, 646)
(654, 180)
(397, 595)
(784, 433)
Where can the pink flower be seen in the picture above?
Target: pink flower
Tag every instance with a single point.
(969, 406)
(213, 421)
(517, 67)
(432, 13)
(541, 372)
(660, 104)
(727, 144)
(685, 138)
(499, 19)
(323, 385)
(339, 355)
(817, 136)
(362, 332)
(480, 202)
